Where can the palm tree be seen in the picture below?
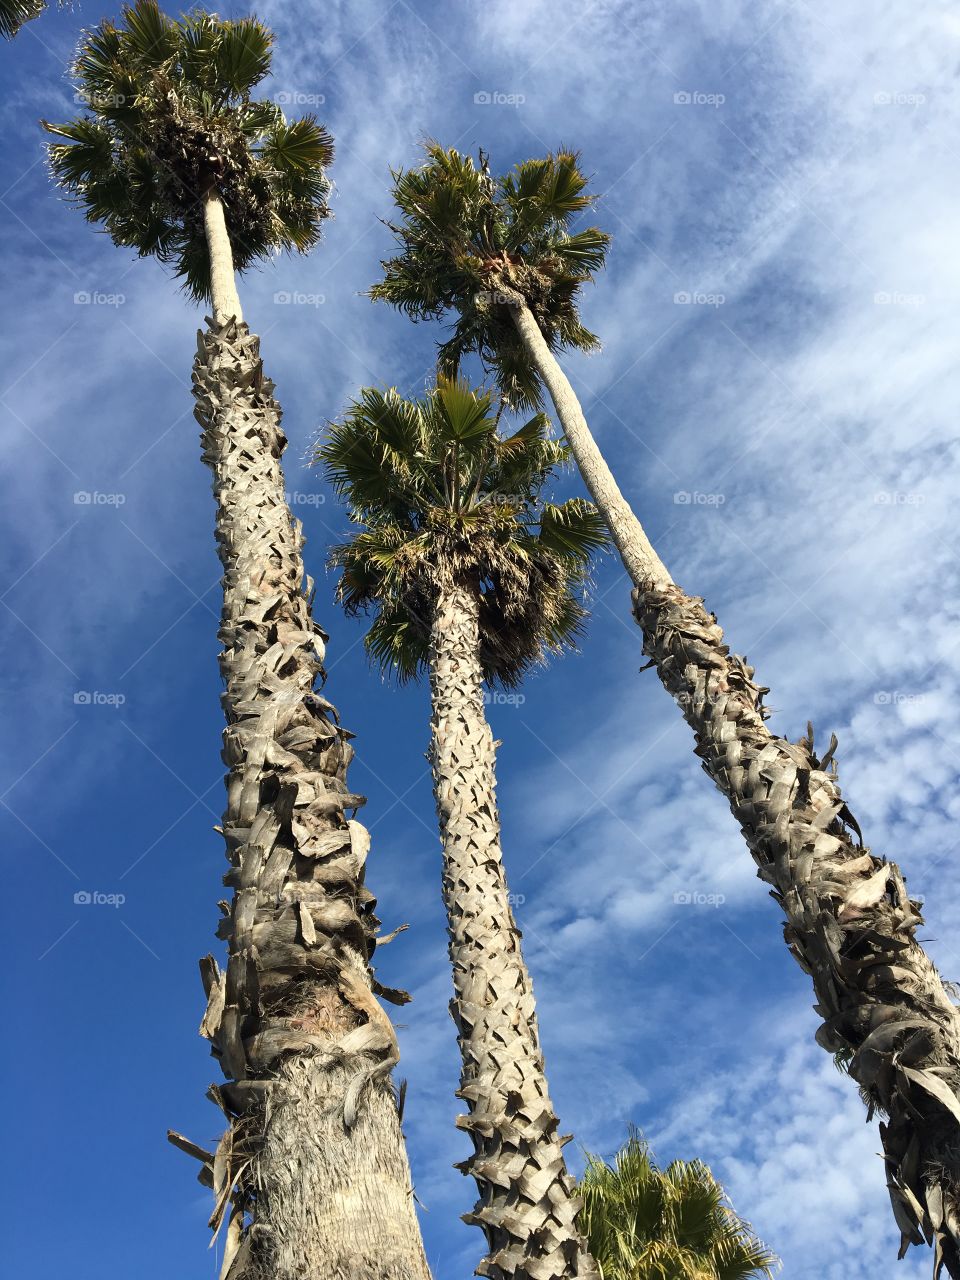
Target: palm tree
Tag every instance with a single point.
(500, 257)
(14, 13)
(473, 578)
(647, 1223)
(177, 160)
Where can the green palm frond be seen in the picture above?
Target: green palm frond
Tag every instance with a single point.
(242, 57)
(643, 1222)
(169, 118)
(575, 529)
(14, 13)
(439, 496)
(148, 36)
(469, 243)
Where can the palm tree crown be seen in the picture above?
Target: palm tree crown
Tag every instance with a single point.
(444, 499)
(169, 119)
(647, 1223)
(470, 242)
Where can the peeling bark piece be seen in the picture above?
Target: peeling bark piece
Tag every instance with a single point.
(190, 1148)
(214, 1011)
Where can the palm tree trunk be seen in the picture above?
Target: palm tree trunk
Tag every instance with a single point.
(223, 280)
(849, 921)
(527, 1206)
(312, 1173)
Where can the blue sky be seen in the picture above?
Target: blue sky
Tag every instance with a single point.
(791, 170)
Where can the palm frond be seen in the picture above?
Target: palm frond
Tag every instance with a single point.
(169, 118)
(15, 13)
(643, 1222)
(468, 245)
(148, 38)
(242, 56)
(439, 496)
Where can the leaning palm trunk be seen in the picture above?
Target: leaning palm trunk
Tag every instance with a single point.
(850, 923)
(313, 1154)
(527, 1206)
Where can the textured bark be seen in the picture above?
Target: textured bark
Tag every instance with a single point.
(311, 1173)
(850, 922)
(527, 1206)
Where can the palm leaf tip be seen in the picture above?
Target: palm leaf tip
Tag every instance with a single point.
(438, 495)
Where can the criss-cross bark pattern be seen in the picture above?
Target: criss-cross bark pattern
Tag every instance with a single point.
(311, 1173)
(850, 923)
(528, 1205)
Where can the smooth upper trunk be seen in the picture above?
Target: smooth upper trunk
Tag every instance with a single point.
(640, 559)
(223, 281)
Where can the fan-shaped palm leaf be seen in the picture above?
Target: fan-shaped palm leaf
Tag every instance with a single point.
(440, 494)
(169, 119)
(469, 243)
(647, 1223)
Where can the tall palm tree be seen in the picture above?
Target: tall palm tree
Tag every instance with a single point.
(14, 13)
(647, 1223)
(177, 160)
(473, 578)
(498, 255)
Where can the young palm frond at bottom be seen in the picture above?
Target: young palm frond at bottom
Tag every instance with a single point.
(443, 498)
(647, 1223)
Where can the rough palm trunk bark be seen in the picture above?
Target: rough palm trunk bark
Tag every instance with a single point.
(850, 923)
(311, 1174)
(527, 1206)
